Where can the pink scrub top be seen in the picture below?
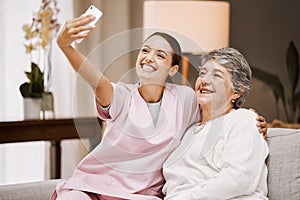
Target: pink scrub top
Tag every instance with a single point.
(128, 162)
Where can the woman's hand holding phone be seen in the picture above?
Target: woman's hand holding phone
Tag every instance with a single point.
(92, 10)
(78, 28)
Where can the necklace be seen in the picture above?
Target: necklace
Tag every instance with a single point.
(200, 126)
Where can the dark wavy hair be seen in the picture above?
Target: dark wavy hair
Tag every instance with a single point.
(176, 55)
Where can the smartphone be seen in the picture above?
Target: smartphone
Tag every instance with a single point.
(92, 10)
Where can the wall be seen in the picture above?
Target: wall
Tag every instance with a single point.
(262, 30)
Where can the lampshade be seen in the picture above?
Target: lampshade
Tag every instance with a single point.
(198, 25)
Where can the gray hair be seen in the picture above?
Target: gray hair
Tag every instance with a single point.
(236, 64)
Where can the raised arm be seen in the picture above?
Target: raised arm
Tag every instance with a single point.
(71, 31)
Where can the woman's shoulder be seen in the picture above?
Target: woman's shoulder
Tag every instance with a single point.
(129, 87)
(241, 117)
(244, 113)
(180, 89)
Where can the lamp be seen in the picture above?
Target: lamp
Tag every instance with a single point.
(198, 25)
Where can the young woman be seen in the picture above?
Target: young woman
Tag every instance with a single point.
(145, 121)
(222, 156)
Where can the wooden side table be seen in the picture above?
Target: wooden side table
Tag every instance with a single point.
(53, 130)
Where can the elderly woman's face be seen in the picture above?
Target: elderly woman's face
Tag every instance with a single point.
(214, 86)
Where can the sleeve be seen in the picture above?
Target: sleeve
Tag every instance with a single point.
(243, 163)
(103, 111)
(112, 111)
(192, 108)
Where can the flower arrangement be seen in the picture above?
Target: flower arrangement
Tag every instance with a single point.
(38, 35)
(43, 28)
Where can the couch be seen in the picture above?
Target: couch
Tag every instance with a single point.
(283, 178)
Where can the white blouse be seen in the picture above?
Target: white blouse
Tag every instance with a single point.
(225, 159)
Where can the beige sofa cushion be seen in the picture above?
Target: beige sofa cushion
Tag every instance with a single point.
(284, 164)
(41, 190)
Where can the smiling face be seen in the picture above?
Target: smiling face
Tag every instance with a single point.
(214, 87)
(154, 61)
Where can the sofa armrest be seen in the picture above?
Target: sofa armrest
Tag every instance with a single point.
(40, 190)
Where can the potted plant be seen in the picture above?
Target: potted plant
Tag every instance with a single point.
(39, 35)
(32, 92)
(290, 98)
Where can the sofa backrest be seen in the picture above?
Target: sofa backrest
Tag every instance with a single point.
(284, 164)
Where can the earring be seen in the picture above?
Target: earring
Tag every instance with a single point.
(232, 100)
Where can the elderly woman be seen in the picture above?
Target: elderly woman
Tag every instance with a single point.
(223, 156)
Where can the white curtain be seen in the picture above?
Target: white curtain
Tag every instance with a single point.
(24, 162)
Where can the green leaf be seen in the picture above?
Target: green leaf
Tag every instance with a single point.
(28, 75)
(272, 81)
(35, 72)
(292, 61)
(35, 87)
(34, 66)
(25, 90)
